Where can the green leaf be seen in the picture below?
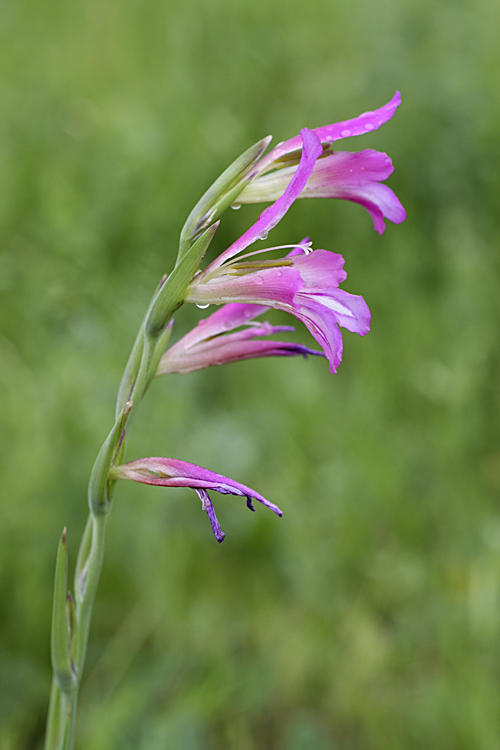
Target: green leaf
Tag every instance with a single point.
(64, 672)
(99, 496)
(172, 294)
(82, 562)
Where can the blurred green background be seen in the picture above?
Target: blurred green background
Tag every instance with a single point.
(368, 617)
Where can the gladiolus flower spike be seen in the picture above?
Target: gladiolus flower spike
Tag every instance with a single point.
(170, 472)
(305, 283)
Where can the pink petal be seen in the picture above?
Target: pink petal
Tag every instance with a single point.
(347, 168)
(324, 310)
(274, 287)
(379, 200)
(320, 268)
(360, 125)
(311, 150)
(224, 319)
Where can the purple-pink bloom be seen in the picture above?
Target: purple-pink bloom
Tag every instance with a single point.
(212, 343)
(171, 472)
(303, 284)
(349, 176)
(307, 284)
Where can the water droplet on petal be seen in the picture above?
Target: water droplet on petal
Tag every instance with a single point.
(263, 235)
(203, 307)
(238, 205)
(369, 126)
(345, 133)
(259, 280)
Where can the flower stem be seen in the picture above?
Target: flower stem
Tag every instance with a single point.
(61, 719)
(71, 619)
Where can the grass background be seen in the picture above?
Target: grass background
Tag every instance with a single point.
(368, 617)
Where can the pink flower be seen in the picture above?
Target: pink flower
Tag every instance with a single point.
(170, 472)
(303, 284)
(350, 176)
(306, 284)
(212, 343)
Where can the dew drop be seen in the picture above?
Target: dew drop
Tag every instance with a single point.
(345, 133)
(203, 307)
(263, 235)
(237, 207)
(369, 126)
(259, 280)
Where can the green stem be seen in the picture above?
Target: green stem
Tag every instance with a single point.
(60, 733)
(61, 719)
(70, 639)
(53, 718)
(87, 587)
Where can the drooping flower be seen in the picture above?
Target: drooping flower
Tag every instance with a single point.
(304, 284)
(212, 343)
(170, 472)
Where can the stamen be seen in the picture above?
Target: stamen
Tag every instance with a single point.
(207, 506)
(305, 246)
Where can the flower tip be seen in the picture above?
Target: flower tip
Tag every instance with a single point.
(401, 216)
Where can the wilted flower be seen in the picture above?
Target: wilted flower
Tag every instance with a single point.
(212, 343)
(350, 176)
(170, 472)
